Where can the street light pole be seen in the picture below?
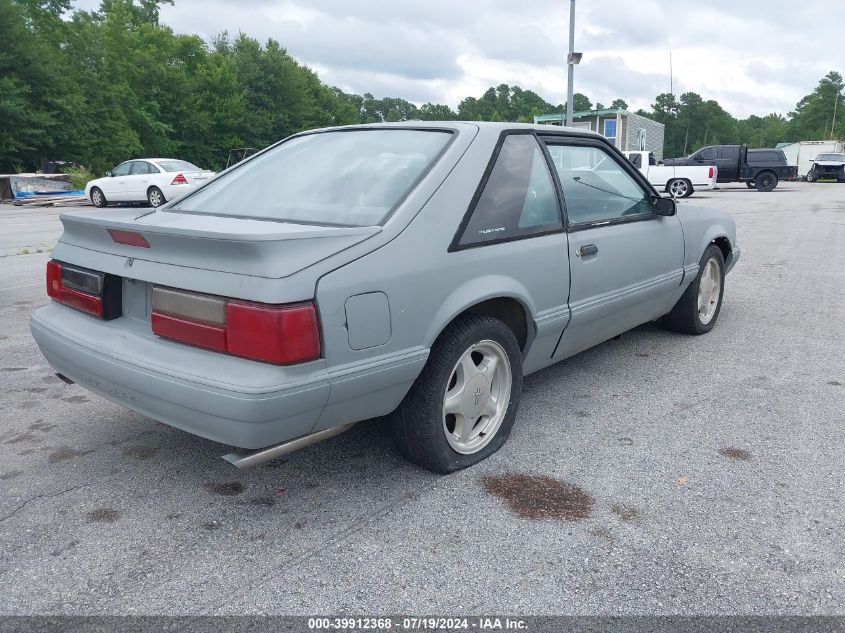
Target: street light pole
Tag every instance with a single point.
(570, 65)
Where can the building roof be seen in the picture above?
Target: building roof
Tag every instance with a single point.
(576, 115)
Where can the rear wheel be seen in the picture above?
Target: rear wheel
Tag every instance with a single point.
(765, 181)
(98, 198)
(698, 308)
(155, 197)
(679, 188)
(462, 406)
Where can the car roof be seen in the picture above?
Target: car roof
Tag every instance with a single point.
(482, 126)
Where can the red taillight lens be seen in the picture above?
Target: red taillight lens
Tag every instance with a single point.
(281, 335)
(130, 238)
(54, 280)
(76, 287)
(275, 334)
(199, 334)
(179, 180)
(710, 174)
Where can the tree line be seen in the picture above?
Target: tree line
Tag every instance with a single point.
(98, 87)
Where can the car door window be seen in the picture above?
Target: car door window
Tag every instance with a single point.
(708, 153)
(141, 168)
(595, 187)
(122, 169)
(518, 198)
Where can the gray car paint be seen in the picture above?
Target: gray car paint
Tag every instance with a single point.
(373, 351)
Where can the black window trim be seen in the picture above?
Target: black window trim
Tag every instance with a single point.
(626, 165)
(455, 245)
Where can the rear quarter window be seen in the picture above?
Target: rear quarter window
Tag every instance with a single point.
(518, 199)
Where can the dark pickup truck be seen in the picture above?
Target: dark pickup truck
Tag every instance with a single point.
(758, 168)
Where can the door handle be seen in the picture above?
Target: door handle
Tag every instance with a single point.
(588, 249)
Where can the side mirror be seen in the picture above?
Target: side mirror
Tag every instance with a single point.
(109, 174)
(663, 206)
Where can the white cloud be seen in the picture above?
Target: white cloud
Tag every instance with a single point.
(753, 57)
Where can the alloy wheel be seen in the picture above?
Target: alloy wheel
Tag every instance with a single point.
(709, 290)
(477, 397)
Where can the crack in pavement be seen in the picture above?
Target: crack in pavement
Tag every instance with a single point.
(37, 497)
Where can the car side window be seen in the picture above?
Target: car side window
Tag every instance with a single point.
(518, 198)
(595, 187)
(708, 153)
(140, 167)
(122, 169)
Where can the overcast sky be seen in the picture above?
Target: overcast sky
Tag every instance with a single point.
(753, 57)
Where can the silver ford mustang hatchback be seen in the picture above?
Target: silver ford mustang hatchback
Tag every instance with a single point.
(416, 271)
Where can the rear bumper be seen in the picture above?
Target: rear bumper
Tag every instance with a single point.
(99, 356)
(230, 400)
(174, 192)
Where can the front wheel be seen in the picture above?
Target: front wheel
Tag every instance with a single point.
(463, 405)
(811, 177)
(155, 197)
(698, 308)
(765, 181)
(679, 188)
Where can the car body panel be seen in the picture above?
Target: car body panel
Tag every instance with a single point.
(383, 295)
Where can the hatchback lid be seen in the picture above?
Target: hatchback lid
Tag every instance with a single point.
(259, 248)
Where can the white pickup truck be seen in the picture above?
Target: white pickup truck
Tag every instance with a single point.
(679, 181)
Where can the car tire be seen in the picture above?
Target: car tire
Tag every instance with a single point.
(811, 177)
(679, 188)
(750, 184)
(430, 436)
(765, 181)
(155, 197)
(698, 308)
(98, 198)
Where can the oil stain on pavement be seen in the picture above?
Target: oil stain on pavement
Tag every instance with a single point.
(735, 453)
(539, 497)
(227, 490)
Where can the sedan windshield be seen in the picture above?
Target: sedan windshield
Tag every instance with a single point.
(347, 178)
(837, 157)
(177, 165)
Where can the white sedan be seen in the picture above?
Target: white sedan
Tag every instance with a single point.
(151, 180)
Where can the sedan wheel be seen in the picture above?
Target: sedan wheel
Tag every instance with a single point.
(97, 197)
(155, 197)
(477, 397)
(461, 408)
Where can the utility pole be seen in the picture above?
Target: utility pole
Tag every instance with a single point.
(835, 103)
(571, 60)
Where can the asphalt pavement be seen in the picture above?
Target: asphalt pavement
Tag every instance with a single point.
(654, 474)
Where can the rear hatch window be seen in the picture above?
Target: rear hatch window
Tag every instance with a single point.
(345, 178)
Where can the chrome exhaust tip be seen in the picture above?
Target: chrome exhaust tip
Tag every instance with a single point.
(248, 459)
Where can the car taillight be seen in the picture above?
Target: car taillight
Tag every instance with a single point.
(278, 334)
(179, 180)
(86, 290)
(710, 174)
